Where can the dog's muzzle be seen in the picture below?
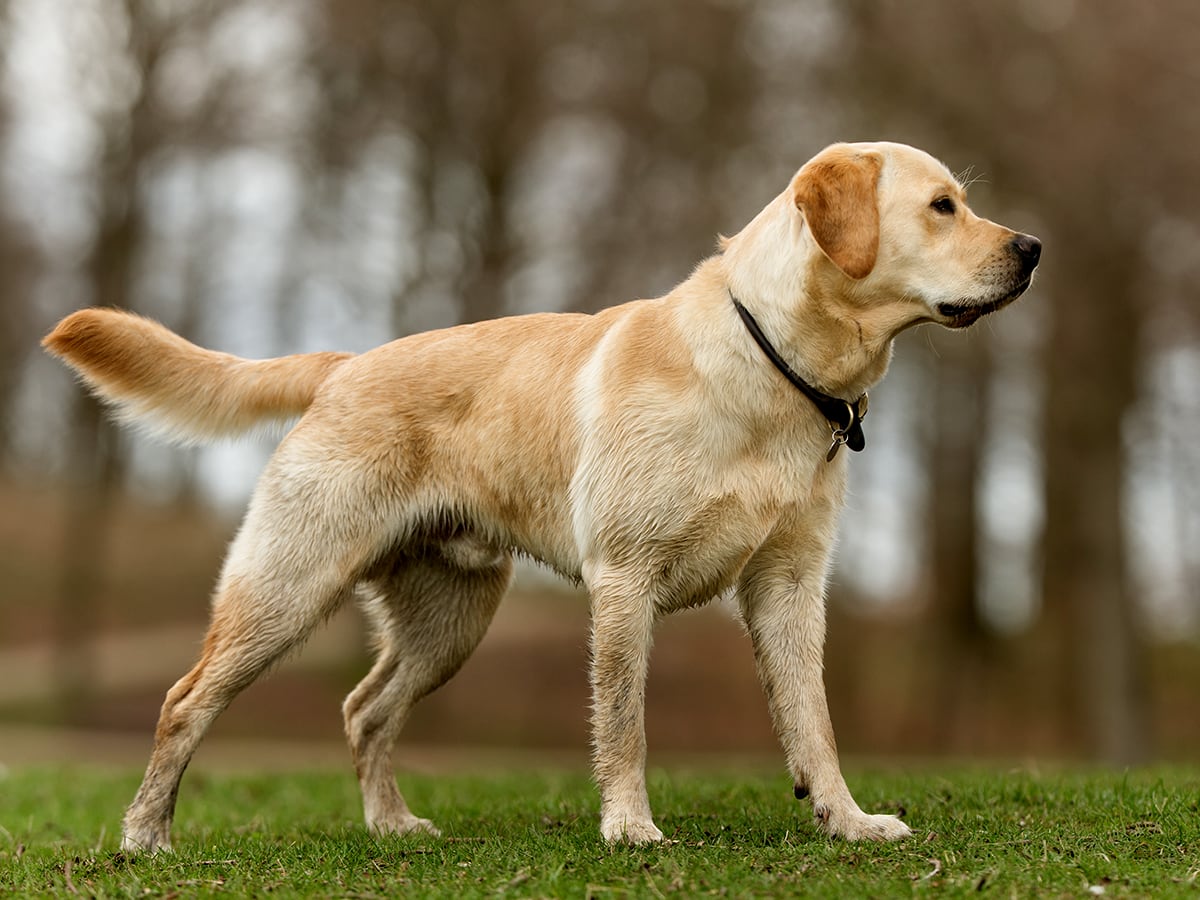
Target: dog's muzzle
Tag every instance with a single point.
(1027, 251)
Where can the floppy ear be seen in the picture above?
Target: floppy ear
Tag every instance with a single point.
(836, 192)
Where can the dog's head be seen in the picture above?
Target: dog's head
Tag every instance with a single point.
(897, 244)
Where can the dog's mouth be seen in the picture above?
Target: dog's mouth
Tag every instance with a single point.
(963, 313)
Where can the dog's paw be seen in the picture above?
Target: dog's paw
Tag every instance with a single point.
(408, 824)
(860, 826)
(146, 840)
(629, 831)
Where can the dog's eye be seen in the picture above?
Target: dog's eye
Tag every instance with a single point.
(944, 205)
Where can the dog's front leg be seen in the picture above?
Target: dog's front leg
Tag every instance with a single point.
(622, 628)
(783, 603)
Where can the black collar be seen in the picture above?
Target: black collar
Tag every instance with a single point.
(845, 417)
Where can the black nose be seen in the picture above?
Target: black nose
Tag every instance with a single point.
(1028, 248)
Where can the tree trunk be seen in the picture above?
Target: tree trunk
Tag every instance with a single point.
(1091, 370)
(96, 464)
(16, 331)
(96, 451)
(962, 646)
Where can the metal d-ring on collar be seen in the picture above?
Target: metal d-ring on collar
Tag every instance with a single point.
(845, 417)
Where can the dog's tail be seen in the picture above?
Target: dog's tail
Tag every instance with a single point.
(154, 377)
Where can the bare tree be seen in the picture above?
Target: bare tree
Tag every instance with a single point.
(16, 276)
(1045, 118)
(96, 448)
(962, 647)
(479, 113)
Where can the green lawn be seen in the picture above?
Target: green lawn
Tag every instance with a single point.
(995, 832)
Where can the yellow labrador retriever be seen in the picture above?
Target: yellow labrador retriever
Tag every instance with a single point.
(660, 452)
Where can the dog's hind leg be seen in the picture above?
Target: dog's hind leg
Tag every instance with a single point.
(248, 633)
(429, 614)
(293, 563)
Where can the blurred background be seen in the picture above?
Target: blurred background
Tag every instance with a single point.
(1019, 567)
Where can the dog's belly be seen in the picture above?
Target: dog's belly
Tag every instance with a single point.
(532, 523)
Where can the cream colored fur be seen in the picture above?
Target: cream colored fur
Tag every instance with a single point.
(651, 451)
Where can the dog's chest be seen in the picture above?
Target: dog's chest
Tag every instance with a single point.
(690, 522)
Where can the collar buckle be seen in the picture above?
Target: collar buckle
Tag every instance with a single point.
(839, 438)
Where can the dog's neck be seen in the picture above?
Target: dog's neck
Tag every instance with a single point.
(774, 268)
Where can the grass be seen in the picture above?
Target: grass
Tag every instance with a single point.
(994, 833)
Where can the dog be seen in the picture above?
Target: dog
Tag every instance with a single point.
(661, 453)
